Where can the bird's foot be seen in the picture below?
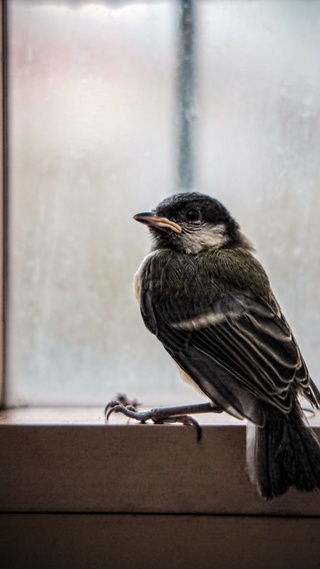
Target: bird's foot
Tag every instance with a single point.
(162, 415)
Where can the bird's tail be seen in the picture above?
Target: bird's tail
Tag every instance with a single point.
(283, 453)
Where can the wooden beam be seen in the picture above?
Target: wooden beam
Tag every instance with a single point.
(133, 469)
(157, 542)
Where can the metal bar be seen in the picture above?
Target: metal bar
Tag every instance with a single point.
(186, 95)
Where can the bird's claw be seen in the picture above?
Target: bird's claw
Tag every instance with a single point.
(158, 416)
(115, 406)
(184, 419)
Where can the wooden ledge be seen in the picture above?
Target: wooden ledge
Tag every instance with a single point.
(77, 464)
(59, 541)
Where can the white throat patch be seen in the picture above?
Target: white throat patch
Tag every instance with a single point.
(204, 237)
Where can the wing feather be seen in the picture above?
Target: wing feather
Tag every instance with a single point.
(254, 348)
(236, 345)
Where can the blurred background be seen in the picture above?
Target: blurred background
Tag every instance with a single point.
(114, 106)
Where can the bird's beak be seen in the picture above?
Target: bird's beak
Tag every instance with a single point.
(153, 220)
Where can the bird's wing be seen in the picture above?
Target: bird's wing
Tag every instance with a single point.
(257, 348)
(225, 349)
(225, 338)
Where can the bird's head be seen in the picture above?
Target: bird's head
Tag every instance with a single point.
(191, 223)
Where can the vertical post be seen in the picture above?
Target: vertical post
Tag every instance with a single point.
(2, 13)
(3, 200)
(186, 95)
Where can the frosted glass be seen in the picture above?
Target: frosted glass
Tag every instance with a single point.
(92, 100)
(259, 139)
(93, 140)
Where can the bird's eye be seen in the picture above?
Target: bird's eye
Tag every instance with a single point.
(193, 215)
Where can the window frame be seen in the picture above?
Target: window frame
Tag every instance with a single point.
(68, 460)
(62, 464)
(3, 179)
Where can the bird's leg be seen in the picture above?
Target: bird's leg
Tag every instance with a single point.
(160, 415)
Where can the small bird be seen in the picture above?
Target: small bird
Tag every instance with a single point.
(209, 302)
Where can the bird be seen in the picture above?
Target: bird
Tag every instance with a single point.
(208, 300)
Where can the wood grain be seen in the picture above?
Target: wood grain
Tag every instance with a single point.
(133, 469)
(157, 542)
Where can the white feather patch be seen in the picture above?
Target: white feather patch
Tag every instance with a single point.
(203, 321)
(204, 237)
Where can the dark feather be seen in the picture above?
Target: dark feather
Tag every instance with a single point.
(241, 334)
(209, 302)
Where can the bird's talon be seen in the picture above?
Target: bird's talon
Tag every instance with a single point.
(110, 405)
(113, 406)
(158, 415)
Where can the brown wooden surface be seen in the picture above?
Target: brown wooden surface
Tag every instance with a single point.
(133, 469)
(157, 542)
(1, 203)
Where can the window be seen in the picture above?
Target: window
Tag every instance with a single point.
(96, 95)
(98, 130)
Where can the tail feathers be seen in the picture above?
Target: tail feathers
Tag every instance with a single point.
(283, 453)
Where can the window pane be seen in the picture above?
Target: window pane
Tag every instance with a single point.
(93, 140)
(259, 139)
(92, 106)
